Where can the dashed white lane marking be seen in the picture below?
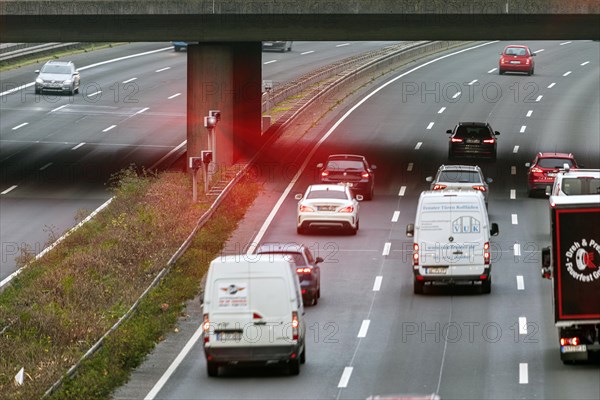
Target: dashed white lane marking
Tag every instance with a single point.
(20, 126)
(410, 167)
(162, 69)
(567, 73)
(516, 149)
(386, 249)
(143, 110)
(513, 194)
(377, 284)
(441, 111)
(129, 80)
(456, 95)
(396, 216)
(109, 128)
(513, 170)
(45, 166)
(307, 52)
(270, 62)
(584, 63)
(78, 146)
(9, 189)
(418, 146)
(517, 249)
(529, 113)
(523, 128)
(539, 98)
(539, 51)
(522, 326)
(520, 282)
(430, 125)
(402, 191)
(364, 328)
(523, 374)
(59, 108)
(173, 96)
(342, 45)
(492, 70)
(472, 82)
(95, 93)
(563, 43)
(550, 86)
(514, 219)
(345, 377)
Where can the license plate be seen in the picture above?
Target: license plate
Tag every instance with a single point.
(326, 208)
(574, 349)
(437, 271)
(267, 44)
(550, 174)
(515, 62)
(472, 141)
(229, 336)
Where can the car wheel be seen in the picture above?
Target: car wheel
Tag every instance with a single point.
(177, 48)
(72, 91)
(486, 286)
(315, 299)
(500, 72)
(212, 368)
(418, 286)
(319, 292)
(369, 196)
(37, 91)
(303, 356)
(294, 366)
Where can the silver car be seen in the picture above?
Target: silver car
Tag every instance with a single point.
(57, 76)
(461, 177)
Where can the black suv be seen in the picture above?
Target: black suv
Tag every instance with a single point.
(353, 170)
(472, 139)
(307, 268)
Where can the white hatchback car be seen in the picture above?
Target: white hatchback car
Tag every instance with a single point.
(328, 206)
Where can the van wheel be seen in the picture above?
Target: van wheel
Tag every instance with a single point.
(294, 366)
(303, 356)
(212, 368)
(486, 286)
(319, 293)
(418, 286)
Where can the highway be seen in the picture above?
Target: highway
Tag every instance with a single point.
(369, 334)
(57, 152)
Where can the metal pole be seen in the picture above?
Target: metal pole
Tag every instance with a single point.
(205, 170)
(195, 185)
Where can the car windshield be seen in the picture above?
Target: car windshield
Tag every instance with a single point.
(581, 185)
(296, 258)
(327, 194)
(516, 51)
(472, 131)
(554, 162)
(56, 69)
(460, 176)
(345, 165)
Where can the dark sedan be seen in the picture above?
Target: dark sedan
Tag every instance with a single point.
(472, 139)
(351, 169)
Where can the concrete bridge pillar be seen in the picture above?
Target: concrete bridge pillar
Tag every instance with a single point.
(225, 77)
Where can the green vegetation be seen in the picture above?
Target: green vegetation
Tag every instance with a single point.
(61, 305)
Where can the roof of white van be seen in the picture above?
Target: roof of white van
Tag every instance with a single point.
(248, 262)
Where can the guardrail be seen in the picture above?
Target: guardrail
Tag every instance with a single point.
(14, 51)
(375, 64)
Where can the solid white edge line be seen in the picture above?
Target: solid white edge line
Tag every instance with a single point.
(143, 110)
(342, 45)
(402, 191)
(523, 374)
(386, 249)
(364, 328)
(517, 249)
(178, 360)
(377, 283)
(288, 189)
(513, 194)
(345, 377)
(10, 189)
(179, 146)
(520, 282)
(563, 43)
(396, 216)
(514, 219)
(522, 326)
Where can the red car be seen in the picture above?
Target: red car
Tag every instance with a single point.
(544, 167)
(516, 58)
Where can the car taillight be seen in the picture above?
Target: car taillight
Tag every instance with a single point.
(527, 61)
(456, 140)
(439, 187)
(479, 187)
(365, 174)
(206, 327)
(489, 140)
(295, 325)
(325, 174)
(572, 341)
(348, 209)
(486, 253)
(304, 208)
(502, 60)
(415, 254)
(303, 270)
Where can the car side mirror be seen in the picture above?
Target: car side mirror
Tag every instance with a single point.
(359, 197)
(37, 71)
(449, 131)
(528, 164)
(489, 180)
(318, 260)
(320, 165)
(496, 133)
(298, 196)
(533, 54)
(494, 231)
(410, 230)
(373, 167)
(548, 190)
(429, 179)
(546, 263)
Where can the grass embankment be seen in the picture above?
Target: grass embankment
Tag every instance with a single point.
(61, 305)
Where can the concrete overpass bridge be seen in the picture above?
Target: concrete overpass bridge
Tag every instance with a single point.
(224, 68)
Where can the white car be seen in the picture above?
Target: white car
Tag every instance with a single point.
(328, 206)
(572, 182)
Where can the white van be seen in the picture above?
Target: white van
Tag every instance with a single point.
(451, 239)
(253, 313)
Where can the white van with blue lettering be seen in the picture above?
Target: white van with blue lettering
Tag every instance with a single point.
(451, 239)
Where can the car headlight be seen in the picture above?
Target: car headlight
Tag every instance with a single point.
(39, 80)
(67, 82)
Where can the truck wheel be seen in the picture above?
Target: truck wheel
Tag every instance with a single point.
(486, 286)
(418, 286)
(212, 368)
(294, 366)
